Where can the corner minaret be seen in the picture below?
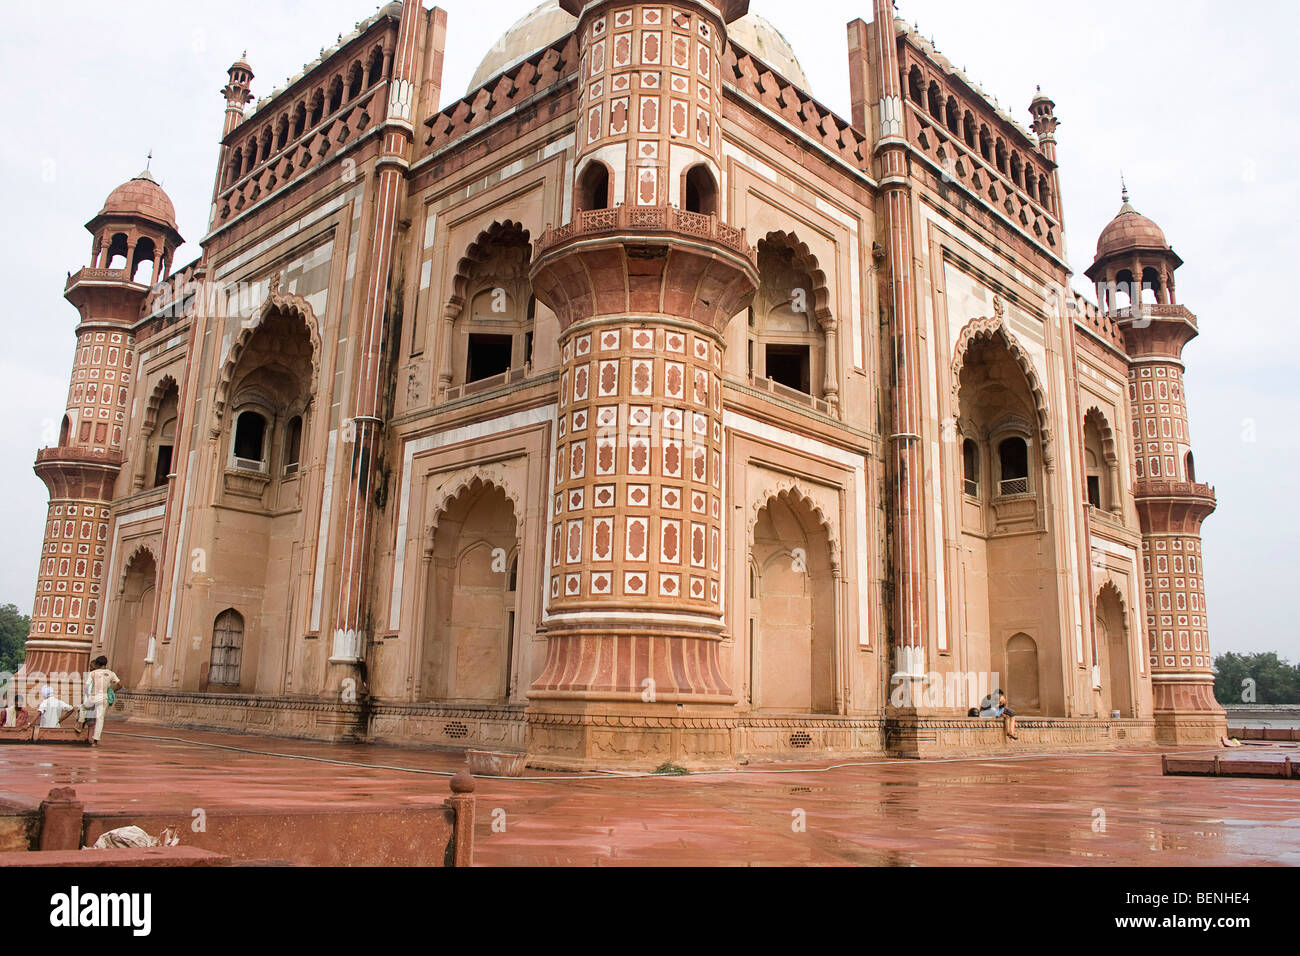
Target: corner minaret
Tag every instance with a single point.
(238, 93)
(135, 237)
(1134, 274)
(644, 280)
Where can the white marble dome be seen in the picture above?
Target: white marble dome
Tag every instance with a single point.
(547, 23)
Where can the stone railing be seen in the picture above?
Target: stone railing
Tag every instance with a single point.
(646, 219)
(94, 456)
(1147, 488)
(97, 275)
(1153, 311)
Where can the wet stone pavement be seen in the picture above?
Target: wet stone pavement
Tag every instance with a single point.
(1112, 808)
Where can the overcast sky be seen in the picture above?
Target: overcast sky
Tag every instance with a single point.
(1196, 102)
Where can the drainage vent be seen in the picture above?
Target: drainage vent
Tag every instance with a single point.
(456, 730)
(800, 739)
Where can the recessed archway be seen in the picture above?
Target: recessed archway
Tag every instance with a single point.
(468, 648)
(791, 619)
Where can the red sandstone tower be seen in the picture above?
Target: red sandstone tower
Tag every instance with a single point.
(1134, 273)
(135, 237)
(644, 280)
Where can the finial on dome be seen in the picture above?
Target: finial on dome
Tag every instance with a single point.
(1123, 189)
(148, 161)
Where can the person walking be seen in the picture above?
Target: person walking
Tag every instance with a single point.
(99, 685)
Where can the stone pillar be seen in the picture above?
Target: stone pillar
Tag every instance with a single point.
(907, 466)
(398, 134)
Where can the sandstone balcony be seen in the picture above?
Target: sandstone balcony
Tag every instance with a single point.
(646, 219)
(637, 260)
(90, 276)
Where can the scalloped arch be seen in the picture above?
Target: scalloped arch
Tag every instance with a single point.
(478, 252)
(1095, 414)
(155, 402)
(286, 304)
(993, 329)
(1110, 586)
(794, 492)
(465, 480)
(805, 261)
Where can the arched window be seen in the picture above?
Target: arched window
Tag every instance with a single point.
(355, 78)
(250, 442)
(492, 334)
(970, 461)
(282, 133)
(236, 166)
(1017, 169)
(317, 108)
(701, 191)
(227, 649)
(267, 140)
(63, 431)
(292, 445)
(968, 127)
(1000, 151)
(1189, 467)
(914, 87)
(299, 120)
(376, 70)
(952, 114)
(336, 94)
(1044, 193)
(986, 144)
(166, 437)
(142, 267)
(936, 101)
(787, 342)
(594, 187)
(1013, 459)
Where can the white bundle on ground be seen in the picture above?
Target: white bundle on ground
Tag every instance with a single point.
(133, 838)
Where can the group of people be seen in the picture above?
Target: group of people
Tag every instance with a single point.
(995, 705)
(95, 701)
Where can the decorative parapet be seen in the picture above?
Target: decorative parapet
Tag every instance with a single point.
(313, 148)
(543, 70)
(751, 77)
(78, 456)
(1153, 311)
(98, 275)
(1173, 489)
(646, 219)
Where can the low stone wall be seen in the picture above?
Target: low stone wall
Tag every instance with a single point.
(305, 719)
(972, 736)
(636, 740)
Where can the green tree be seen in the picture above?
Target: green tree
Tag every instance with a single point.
(1272, 680)
(13, 635)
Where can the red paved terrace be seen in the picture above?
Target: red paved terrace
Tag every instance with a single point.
(1052, 809)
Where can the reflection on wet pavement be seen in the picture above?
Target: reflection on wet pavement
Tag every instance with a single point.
(1091, 809)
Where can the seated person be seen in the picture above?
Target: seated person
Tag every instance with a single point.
(52, 709)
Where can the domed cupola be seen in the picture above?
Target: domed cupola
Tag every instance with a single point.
(136, 231)
(1133, 260)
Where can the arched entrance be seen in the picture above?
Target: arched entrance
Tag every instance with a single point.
(791, 620)
(468, 653)
(1001, 473)
(134, 618)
